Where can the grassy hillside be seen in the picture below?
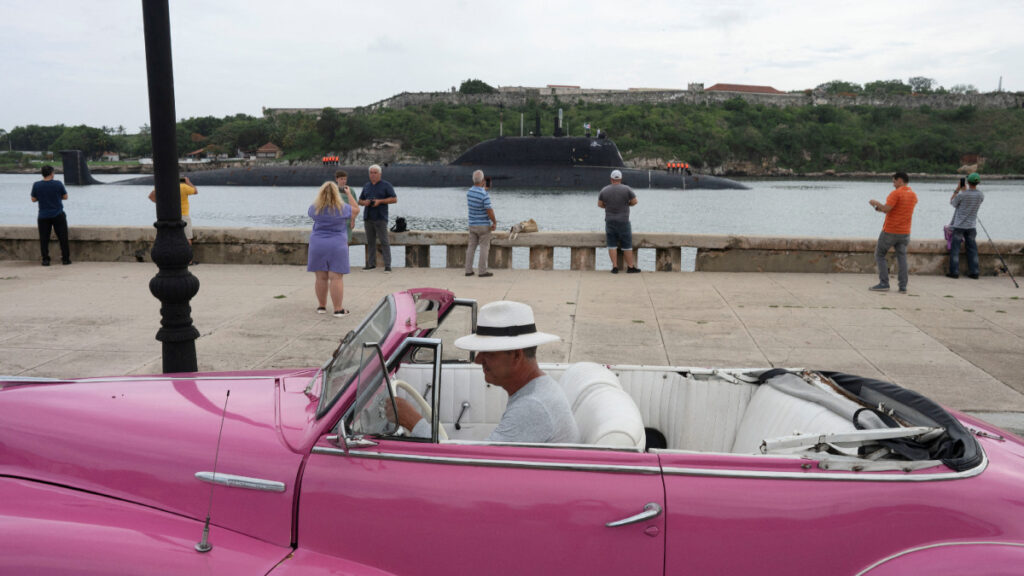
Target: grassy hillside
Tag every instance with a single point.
(801, 139)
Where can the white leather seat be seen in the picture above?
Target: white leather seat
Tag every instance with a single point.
(772, 413)
(605, 413)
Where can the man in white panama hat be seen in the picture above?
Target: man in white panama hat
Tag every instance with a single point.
(505, 343)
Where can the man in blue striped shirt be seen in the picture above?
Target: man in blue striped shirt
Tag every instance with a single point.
(967, 201)
(481, 223)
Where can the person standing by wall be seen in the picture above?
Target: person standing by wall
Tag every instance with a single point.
(616, 198)
(899, 211)
(482, 223)
(376, 196)
(186, 188)
(967, 201)
(50, 195)
(341, 177)
(328, 245)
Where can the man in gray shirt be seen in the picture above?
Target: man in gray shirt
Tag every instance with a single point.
(967, 201)
(616, 198)
(505, 343)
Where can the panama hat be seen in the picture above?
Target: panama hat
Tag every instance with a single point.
(504, 325)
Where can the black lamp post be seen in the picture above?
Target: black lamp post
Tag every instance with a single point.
(173, 285)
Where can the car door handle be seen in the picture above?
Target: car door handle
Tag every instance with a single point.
(651, 510)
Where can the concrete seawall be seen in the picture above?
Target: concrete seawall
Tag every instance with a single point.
(714, 253)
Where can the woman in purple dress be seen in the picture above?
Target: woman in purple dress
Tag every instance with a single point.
(328, 244)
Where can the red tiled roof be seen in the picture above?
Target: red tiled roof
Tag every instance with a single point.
(743, 88)
(268, 147)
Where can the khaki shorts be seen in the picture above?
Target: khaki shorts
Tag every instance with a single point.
(188, 226)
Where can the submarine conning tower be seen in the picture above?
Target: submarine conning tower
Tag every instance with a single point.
(543, 151)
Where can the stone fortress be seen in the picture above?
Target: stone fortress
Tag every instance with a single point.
(513, 96)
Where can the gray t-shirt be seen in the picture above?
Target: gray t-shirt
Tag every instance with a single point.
(616, 198)
(537, 412)
(967, 203)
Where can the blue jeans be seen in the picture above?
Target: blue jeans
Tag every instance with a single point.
(618, 235)
(967, 236)
(899, 242)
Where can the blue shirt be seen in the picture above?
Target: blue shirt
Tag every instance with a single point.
(382, 189)
(49, 194)
(479, 203)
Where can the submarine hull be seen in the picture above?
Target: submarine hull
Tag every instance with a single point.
(452, 176)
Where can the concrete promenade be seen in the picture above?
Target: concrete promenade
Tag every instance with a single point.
(960, 342)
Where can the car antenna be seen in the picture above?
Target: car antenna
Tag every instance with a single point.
(204, 544)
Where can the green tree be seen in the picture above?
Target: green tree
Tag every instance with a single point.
(327, 126)
(473, 86)
(91, 141)
(887, 87)
(205, 125)
(840, 87)
(34, 137)
(963, 89)
(921, 85)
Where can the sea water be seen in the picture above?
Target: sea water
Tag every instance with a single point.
(833, 208)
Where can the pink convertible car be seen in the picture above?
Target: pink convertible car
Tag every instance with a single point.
(680, 470)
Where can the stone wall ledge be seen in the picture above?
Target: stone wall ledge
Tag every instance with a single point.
(714, 252)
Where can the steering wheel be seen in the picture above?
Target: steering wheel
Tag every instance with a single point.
(424, 406)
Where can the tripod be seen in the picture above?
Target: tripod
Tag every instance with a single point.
(1004, 267)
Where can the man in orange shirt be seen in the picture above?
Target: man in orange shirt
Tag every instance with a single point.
(899, 211)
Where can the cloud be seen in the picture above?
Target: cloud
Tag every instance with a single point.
(78, 62)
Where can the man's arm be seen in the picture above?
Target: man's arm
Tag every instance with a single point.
(879, 207)
(494, 219)
(152, 195)
(600, 204)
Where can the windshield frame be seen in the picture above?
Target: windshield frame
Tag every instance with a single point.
(351, 352)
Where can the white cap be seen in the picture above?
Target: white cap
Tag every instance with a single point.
(616, 175)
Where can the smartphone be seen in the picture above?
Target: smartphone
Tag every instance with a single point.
(963, 182)
(487, 181)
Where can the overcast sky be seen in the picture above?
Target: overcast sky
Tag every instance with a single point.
(83, 62)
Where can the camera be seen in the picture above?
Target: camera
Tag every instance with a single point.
(182, 179)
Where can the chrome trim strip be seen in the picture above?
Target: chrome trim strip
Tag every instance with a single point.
(166, 377)
(491, 463)
(939, 545)
(234, 481)
(590, 447)
(809, 475)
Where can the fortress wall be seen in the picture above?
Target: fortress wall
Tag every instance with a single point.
(715, 252)
(520, 97)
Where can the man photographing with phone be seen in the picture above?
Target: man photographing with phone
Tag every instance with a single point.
(966, 200)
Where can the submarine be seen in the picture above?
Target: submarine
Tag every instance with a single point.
(523, 162)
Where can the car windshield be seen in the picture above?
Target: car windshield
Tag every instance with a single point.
(351, 356)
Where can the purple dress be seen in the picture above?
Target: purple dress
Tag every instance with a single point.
(328, 244)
